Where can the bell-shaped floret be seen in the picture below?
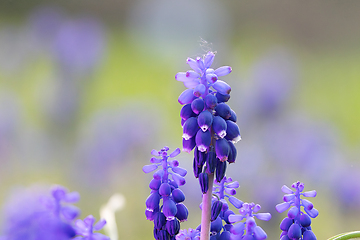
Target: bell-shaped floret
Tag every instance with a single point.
(203, 140)
(193, 64)
(286, 223)
(222, 71)
(309, 235)
(152, 202)
(216, 225)
(188, 145)
(182, 212)
(150, 215)
(307, 204)
(199, 90)
(230, 191)
(208, 59)
(232, 152)
(238, 229)
(259, 233)
(173, 226)
(309, 194)
(294, 231)
(263, 216)
(196, 169)
(178, 179)
(186, 96)
(204, 182)
(236, 202)
(293, 212)
(305, 220)
(169, 208)
(288, 197)
(190, 128)
(179, 170)
(178, 195)
(226, 215)
(222, 87)
(159, 220)
(313, 213)
(220, 170)
(162, 235)
(232, 132)
(149, 168)
(205, 120)
(211, 78)
(210, 101)
(211, 162)
(281, 207)
(165, 189)
(285, 237)
(215, 210)
(286, 189)
(222, 98)
(222, 149)
(186, 112)
(219, 126)
(158, 174)
(200, 63)
(223, 110)
(233, 116)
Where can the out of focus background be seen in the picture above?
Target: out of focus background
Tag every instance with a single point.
(87, 90)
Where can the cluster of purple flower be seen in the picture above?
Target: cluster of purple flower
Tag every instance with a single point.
(166, 218)
(297, 224)
(209, 124)
(33, 215)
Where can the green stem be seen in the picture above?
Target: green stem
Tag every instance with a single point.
(345, 236)
(206, 210)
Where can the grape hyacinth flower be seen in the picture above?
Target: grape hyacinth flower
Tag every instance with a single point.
(248, 230)
(167, 217)
(86, 227)
(209, 126)
(297, 224)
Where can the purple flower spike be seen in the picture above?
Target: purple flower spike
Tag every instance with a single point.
(297, 224)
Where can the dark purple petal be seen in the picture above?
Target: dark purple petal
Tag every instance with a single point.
(211, 162)
(223, 110)
(173, 227)
(259, 233)
(205, 120)
(219, 126)
(309, 235)
(220, 170)
(186, 97)
(221, 98)
(197, 105)
(210, 101)
(286, 223)
(158, 174)
(222, 149)
(216, 225)
(204, 182)
(169, 208)
(165, 189)
(215, 210)
(152, 202)
(186, 112)
(182, 212)
(294, 231)
(222, 71)
(190, 128)
(232, 153)
(197, 169)
(155, 184)
(188, 145)
(178, 195)
(222, 87)
(293, 212)
(233, 116)
(203, 140)
(305, 220)
(159, 220)
(232, 132)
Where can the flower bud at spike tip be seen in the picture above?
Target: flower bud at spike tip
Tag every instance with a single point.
(215, 210)
(220, 170)
(222, 149)
(222, 87)
(204, 182)
(197, 170)
(203, 140)
(190, 128)
(188, 145)
(232, 132)
(193, 64)
(186, 96)
(208, 60)
(165, 189)
(233, 116)
(178, 195)
(205, 120)
(186, 112)
(221, 98)
(169, 209)
(182, 212)
(222, 71)
(199, 90)
(210, 101)
(211, 78)
(197, 105)
(223, 110)
(219, 126)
